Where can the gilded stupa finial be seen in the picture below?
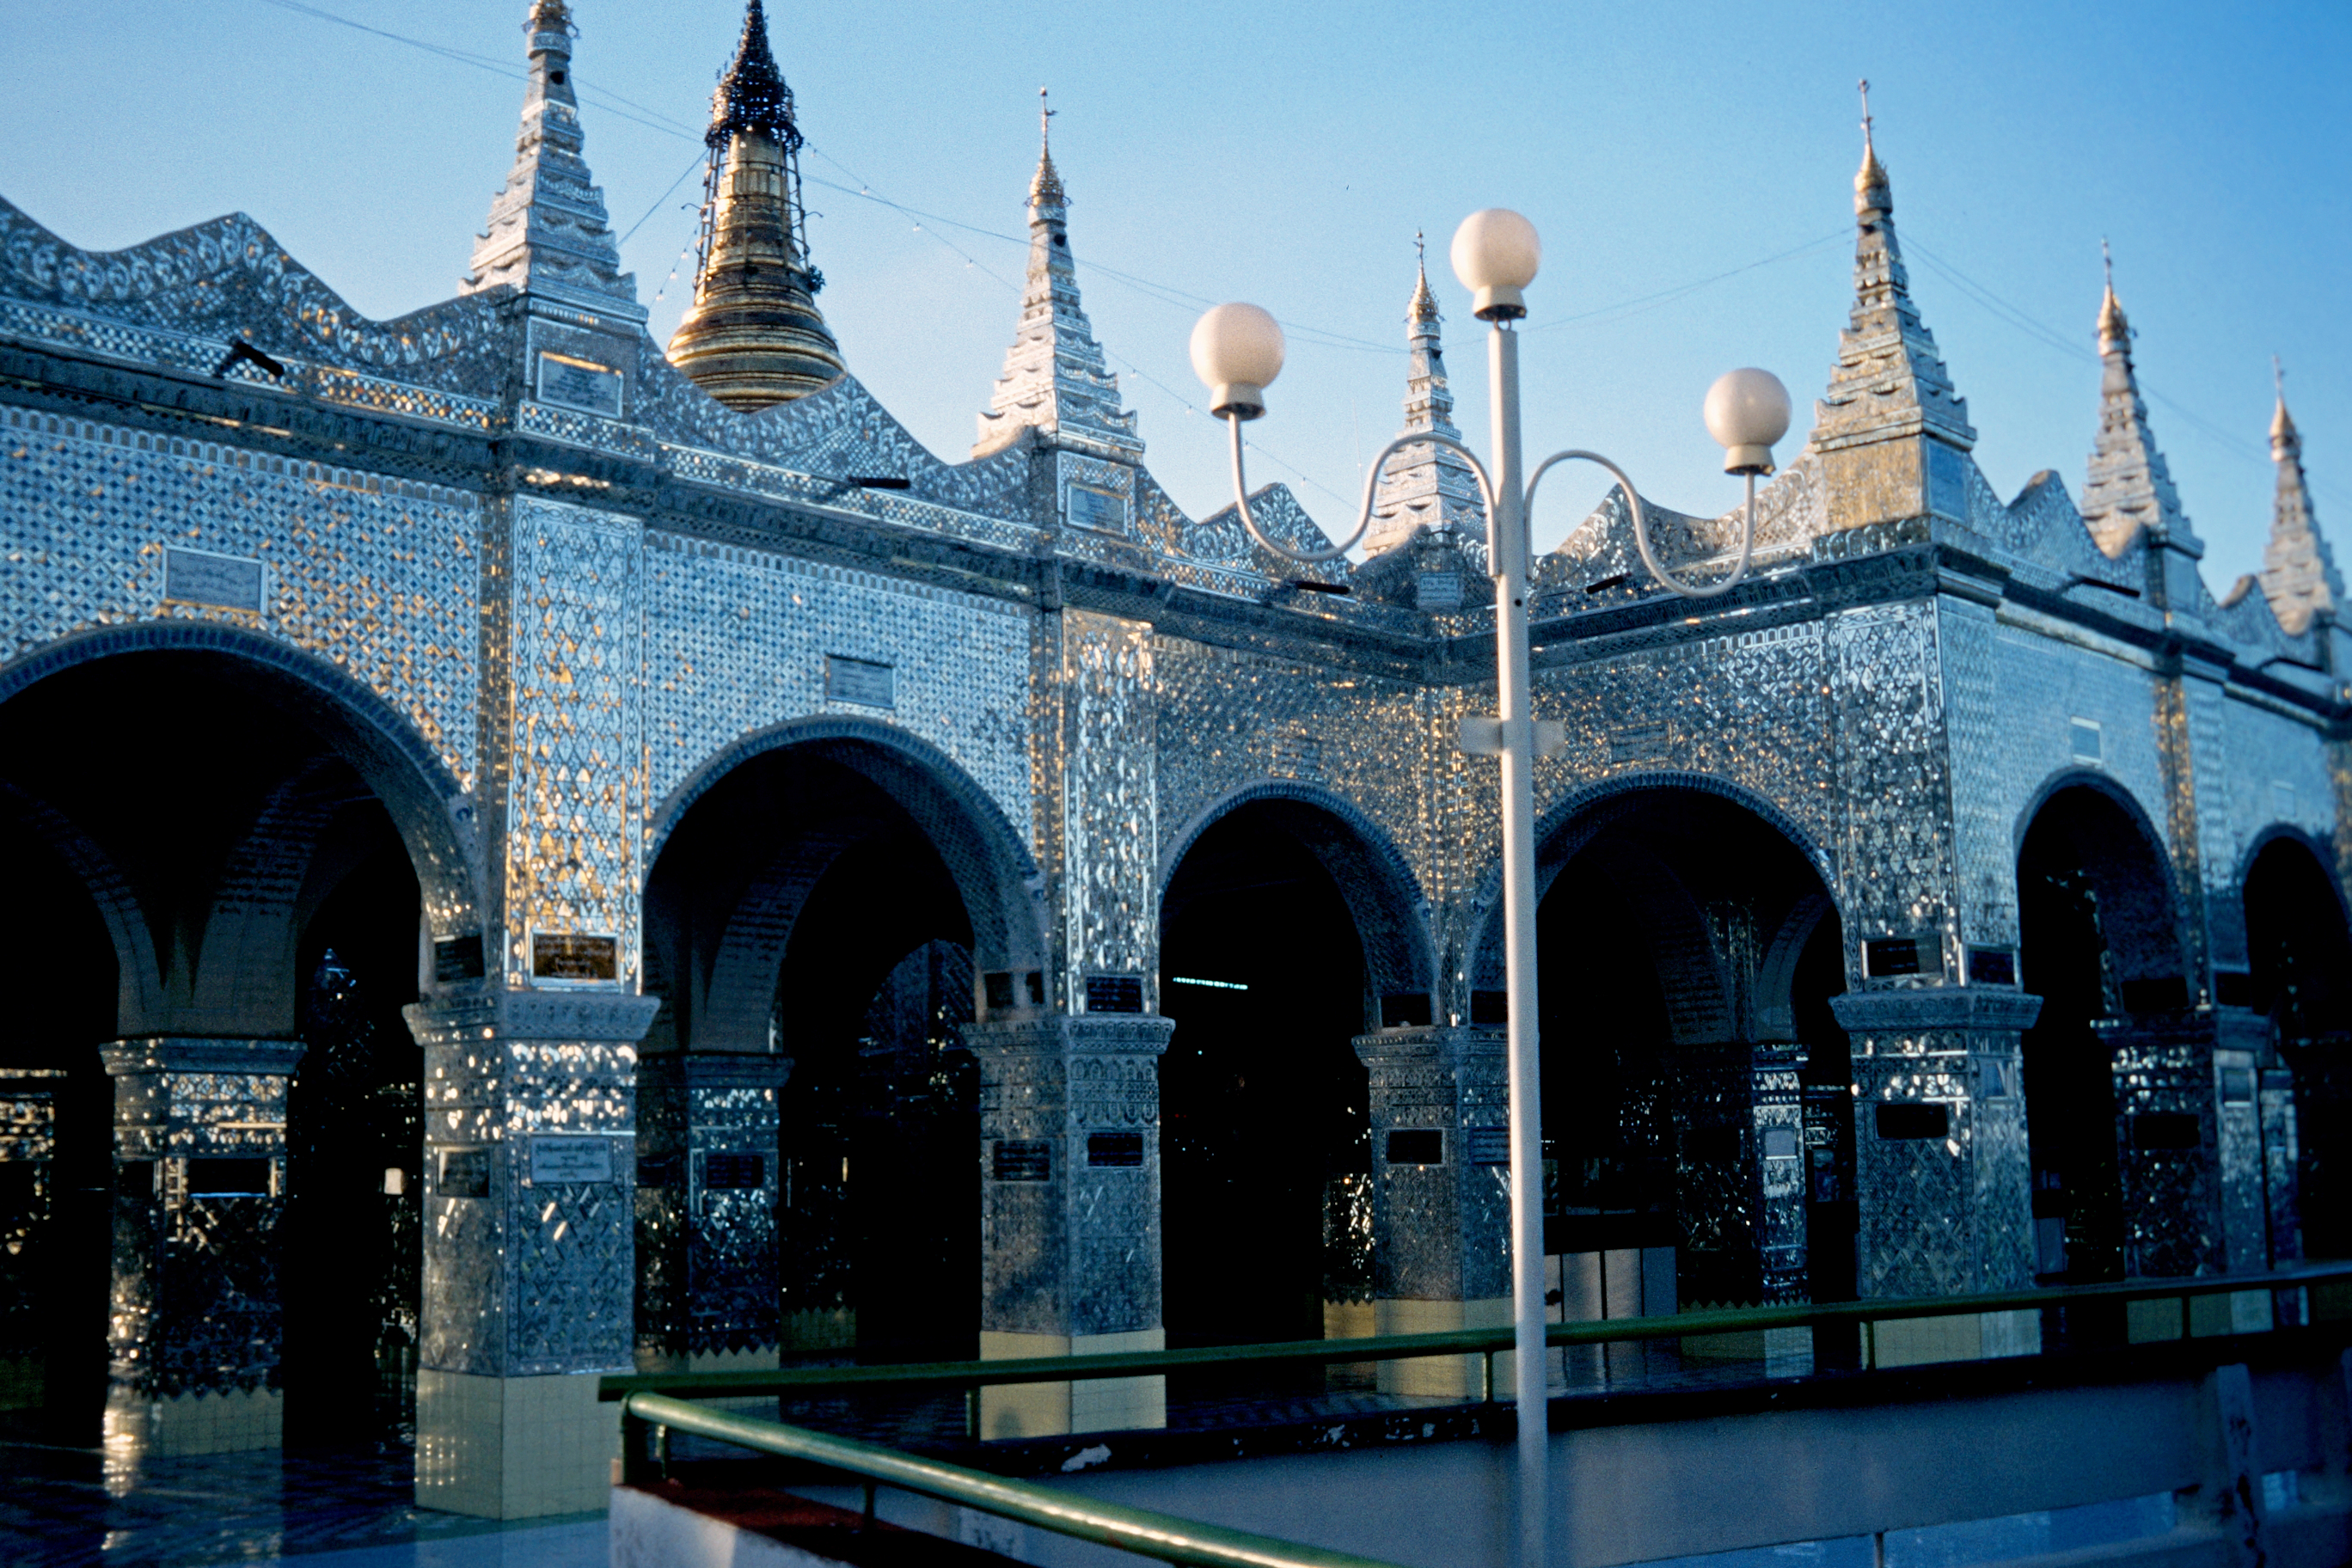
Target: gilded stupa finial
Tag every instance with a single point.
(2114, 330)
(1046, 190)
(1873, 192)
(2284, 440)
(1424, 303)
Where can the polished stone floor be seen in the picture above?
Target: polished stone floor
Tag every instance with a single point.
(333, 1509)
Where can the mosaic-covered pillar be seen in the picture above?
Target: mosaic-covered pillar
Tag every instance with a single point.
(1440, 1196)
(529, 1247)
(2170, 1140)
(29, 1196)
(196, 1324)
(705, 1211)
(1069, 1131)
(1738, 1112)
(1942, 1173)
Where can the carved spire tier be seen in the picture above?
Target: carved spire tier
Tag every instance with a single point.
(2299, 575)
(753, 336)
(2130, 492)
(548, 233)
(1891, 429)
(1056, 378)
(1424, 485)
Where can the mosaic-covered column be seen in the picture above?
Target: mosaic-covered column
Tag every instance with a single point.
(29, 1202)
(1069, 1130)
(529, 1247)
(196, 1324)
(1942, 1173)
(2170, 1140)
(705, 1211)
(1440, 1196)
(1737, 1113)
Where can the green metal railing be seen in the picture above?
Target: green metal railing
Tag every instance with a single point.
(1142, 1530)
(651, 1408)
(1485, 1343)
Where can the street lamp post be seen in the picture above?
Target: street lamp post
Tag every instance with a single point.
(1237, 349)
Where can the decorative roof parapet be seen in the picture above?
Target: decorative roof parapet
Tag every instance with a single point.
(1427, 485)
(1889, 388)
(2129, 495)
(548, 233)
(2299, 575)
(1056, 378)
(754, 337)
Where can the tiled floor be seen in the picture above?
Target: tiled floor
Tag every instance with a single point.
(332, 1510)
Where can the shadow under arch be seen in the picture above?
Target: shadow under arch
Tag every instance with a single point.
(1382, 895)
(1582, 814)
(1289, 925)
(428, 806)
(828, 901)
(987, 856)
(264, 836)
(1695, 1087)
(2099, 941)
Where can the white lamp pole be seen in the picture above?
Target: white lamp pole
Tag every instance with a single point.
(1237, 349)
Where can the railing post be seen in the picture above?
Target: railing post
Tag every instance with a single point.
(972, 1412)
(637, 1436)
(865, 1522)
(661, 1452)
(1486, 1378)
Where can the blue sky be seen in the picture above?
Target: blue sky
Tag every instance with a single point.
(1286, 153)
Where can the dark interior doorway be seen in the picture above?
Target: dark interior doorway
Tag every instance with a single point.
(2302, 980)
(2091, 910)
(353, 1237)
(1266, 1130)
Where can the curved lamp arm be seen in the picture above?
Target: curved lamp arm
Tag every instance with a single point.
(1641, 531)
(1371, 483)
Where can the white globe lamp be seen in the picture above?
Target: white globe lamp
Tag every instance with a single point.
(1237, 350)
(1746, 412)
(1496, 255)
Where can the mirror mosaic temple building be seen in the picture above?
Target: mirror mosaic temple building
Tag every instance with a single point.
(543, 854)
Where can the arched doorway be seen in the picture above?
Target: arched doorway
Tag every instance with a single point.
(1284, 933)
(835, 901)
(217, 840)
(2301, 980)
(1697, 1106)
(2098, 944)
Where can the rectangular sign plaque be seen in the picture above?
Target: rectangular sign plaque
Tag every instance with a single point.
(580, 384)
(574, 955)
(200, 578)
(1097, 510)
(860, 680)
(562, 1159)
(465, 1174)
(1022, 1160)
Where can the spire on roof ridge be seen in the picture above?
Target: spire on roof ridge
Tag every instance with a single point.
(1889, 384)
(1424, 485)
(2130, 489)
(753, 336)
(1056, 378)
(547, 232)
(1045, 187)
(2299, 575)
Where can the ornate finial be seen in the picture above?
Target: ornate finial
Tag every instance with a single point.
(1423, 309)
(2115, 329)
(548, 17)
(1046, 190)
(752, 93)
(2284, 442)
(1872, 191)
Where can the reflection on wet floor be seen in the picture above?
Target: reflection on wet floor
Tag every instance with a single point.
(72, 1506)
